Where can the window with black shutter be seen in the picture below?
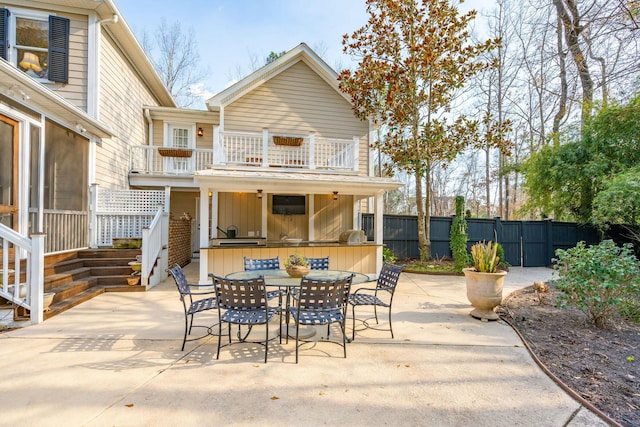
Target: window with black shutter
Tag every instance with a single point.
(36, 43)
(58, 49)
(4, 33)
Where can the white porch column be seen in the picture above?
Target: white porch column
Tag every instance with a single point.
(36, 273)
(377, 227)
(204, 235)
(93, 217)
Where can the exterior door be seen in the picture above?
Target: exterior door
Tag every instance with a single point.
(9, 172)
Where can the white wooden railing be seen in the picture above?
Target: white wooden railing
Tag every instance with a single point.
(23, 257)
(65, 230)
(154, 248)
(147, 159)
(259, 149)
(256, 149)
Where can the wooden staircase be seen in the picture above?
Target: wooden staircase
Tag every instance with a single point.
(76, 277)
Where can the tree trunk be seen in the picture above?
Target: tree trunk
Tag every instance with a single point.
(423, 230)
(564, 87)
(572, 29)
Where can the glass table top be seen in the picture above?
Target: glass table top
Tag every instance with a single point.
(282, 278)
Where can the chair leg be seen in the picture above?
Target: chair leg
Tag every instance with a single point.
(266, 341)
(375, 312)
(353, 316)
(186, 327)
(220, 338)
(191, 323)
(344, 338)
(390, 327)
(297, 332)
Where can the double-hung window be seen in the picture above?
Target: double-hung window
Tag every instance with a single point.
(36, 43)
(181, 136)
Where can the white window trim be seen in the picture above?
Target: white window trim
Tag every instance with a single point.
(168, 134)
(12, 54)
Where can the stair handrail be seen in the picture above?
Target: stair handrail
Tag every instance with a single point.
(32, 250)
(152, 246)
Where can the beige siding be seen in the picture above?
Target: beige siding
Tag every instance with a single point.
(242, 210)
(332, 217)
(76, 90)
(298, 101)
(122, 95)
(183, 201)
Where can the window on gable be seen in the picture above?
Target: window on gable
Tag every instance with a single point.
(36, 43)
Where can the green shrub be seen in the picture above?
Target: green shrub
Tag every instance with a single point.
(601, 280)
(500, 254)
(388, 256)
(458, 238)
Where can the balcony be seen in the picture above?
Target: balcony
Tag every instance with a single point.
(235, 150)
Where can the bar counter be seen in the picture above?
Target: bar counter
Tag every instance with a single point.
(358, 257)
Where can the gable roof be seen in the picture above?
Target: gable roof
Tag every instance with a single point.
(302, 52)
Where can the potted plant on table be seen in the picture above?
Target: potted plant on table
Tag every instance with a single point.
(297, 265)
(484, 280)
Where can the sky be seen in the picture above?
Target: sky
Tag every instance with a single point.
(229, 33)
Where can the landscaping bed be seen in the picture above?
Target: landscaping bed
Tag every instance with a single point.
(601, 366)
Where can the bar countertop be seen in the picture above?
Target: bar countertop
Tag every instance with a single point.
(228, 244)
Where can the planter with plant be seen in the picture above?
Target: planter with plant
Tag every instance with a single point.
(297, 265)
(484, 280)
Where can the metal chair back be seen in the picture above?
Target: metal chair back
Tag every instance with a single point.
(261, 264)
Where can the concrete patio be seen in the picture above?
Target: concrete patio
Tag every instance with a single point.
(116, 361)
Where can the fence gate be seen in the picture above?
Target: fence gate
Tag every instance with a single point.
(510, 237)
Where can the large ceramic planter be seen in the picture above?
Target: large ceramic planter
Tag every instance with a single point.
(484, 291)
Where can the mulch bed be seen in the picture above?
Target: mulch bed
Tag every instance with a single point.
(601, 366)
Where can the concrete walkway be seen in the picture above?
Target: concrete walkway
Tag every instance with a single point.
(116, 361)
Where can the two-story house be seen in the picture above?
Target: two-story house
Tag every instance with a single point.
(73, 80)
(278, 155)
(277, 163)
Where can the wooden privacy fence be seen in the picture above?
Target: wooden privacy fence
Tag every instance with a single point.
(526, 243)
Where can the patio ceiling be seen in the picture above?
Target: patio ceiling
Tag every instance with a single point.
(293, 182)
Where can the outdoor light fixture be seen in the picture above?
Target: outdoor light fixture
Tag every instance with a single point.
(210, 194)
(259, 194)
(335, 195)
(200, 132)
(31, 63)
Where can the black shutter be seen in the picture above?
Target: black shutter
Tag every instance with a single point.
(4, 33)
(58, 49)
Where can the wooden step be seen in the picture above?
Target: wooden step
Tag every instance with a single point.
(110, 253)
(66, 304)
(76, 277)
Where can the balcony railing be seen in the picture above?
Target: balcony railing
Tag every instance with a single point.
(246, 149)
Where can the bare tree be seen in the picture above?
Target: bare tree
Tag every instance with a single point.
(174, 54)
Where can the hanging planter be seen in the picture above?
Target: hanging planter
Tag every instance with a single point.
(175, 152)
(288, 140)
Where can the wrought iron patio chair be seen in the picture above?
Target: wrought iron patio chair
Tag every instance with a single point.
(319, 263)
(244, 303)
(251, 264)
(321, 302)
(385, 288)
(191, 306)
(261, 263)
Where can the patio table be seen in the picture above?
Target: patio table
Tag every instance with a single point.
(281, 279)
